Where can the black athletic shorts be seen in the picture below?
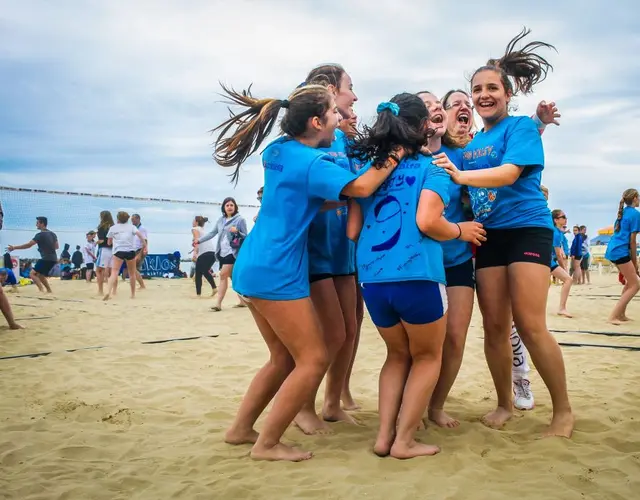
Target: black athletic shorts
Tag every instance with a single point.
(227, 259)
(461, 275)
(89, 266)
(324, 276)
(44, 267)
(506, 246)
(126, 255)
(622, 260)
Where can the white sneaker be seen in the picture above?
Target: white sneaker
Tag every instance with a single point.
(523, 397)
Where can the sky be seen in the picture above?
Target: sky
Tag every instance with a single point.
(118, 97)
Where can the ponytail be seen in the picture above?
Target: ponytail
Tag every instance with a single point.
(523, 66)
(400, 122)
(250, 127)
(627, 199)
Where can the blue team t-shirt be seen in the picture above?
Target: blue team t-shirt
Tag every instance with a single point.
(619, 245)
(514, 140)
(330, 251)
(273, 263)
(391, 247)
(558, 238)
(11, 278)
(456, 251)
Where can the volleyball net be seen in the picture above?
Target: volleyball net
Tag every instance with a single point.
(71, 215)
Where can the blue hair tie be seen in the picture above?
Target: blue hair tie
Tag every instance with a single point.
(303, 84)
(391, 106)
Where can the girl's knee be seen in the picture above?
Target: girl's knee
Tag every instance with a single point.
(455, 343)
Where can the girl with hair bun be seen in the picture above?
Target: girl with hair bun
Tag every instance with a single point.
(622, 251)
(502, 166)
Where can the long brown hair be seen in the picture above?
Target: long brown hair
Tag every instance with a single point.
(523, 66)
(106, 220)
(627, 199)
(250, 127)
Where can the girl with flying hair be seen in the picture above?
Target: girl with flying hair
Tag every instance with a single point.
(502, 167)
(460, 130)
(272, 270)
(400, 268)
(622, 251)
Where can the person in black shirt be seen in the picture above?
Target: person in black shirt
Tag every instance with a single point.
(47, 242)
(77, 259)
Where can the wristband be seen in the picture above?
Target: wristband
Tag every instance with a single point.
(538, 122)
(459, 231)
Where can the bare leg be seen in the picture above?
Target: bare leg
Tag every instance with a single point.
(577, 272)
(264, 385)
(45, 282)
(393, 377)
(296, 325)
(425, 344)
(567, 281)
(337, 374)
(5, 307)
(225, 274)
(461, 303)
(528, 285)
(327, 305)
(131, 268)
(100, 275)
(35, 277)
(113, 278)
(495, 305)
(348, 403)
(629, 291)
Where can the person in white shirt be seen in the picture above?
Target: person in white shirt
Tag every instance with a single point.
(89, 255)
(122, 236)
(140, 248)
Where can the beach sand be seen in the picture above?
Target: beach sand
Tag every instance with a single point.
(136, 420)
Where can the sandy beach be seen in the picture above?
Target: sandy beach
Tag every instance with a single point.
(119, 411)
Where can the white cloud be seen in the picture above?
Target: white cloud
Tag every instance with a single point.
(118, 96)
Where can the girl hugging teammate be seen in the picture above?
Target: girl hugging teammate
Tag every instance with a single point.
(400, 268)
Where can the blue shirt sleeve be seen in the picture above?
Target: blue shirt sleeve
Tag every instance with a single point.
(557, 239)
(437, 180)
(635, 221)
(326, 180)
(523, 145)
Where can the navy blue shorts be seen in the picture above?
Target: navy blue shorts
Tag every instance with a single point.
(44, 267)
(414, 302)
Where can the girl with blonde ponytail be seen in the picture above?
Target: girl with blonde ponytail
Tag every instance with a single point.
(622, 251)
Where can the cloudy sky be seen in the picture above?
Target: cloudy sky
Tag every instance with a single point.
(117, 97)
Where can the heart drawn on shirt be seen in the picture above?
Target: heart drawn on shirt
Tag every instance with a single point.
(410, 180)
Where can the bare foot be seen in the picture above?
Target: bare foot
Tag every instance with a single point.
(348, 403)
(413, 449)
(497, 418)
(214, 292)
(280, 452)
(561, 425)
(615, 321)
(310, 424)
(625, 318)
(442, 419)
(234, 436)
(16, 326)
(565, 313)
(106, 297)
(338, 415)
(383, 444)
